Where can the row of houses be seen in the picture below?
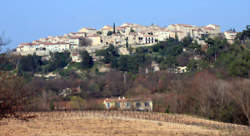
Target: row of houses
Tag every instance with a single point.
(120, 103)
(126, 34)
(136, 104)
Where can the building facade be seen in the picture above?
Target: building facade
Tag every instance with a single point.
(135, 104)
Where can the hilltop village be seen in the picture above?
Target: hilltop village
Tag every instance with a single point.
(124, 36)
(181, 69)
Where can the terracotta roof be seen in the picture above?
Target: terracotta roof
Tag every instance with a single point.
(75, 37)
(209, 28)
(28, 44)
(48, 43)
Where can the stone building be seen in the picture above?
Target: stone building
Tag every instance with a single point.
(136, 104)
(230, 36)
(88, 30)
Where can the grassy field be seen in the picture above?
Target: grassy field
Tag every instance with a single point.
(103, 123)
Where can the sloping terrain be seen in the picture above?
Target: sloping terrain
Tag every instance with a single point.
(117, 124)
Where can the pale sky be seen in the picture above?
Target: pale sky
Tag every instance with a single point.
(27, 20)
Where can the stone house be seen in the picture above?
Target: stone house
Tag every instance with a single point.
(230, 36)
(76, 57)
(106, 29)
(88, 30)
(135, 104)
(95, 40)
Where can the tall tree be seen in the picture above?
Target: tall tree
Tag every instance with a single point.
(87, 60)
(3, 42)
(114, 31)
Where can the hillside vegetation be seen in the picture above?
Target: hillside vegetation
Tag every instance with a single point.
(215, 83)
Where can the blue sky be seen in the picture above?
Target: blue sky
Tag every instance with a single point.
(27, 20)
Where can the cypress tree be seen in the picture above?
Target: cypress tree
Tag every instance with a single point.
(114, 28)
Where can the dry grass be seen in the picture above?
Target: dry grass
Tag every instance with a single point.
(117, 124)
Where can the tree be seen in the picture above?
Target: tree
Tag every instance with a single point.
(4, 61)
(110, 54)
(58, 61)
(87, 60)
(109, 33)
(7, 63)
(241, 94)
(244, 35)
(13, 96)
(114, 31)
(127, 45)
(240, 64)
(187, 41)
(216, 47)
(3, 42)
(235, 61)
(30, 63)
(84, 41)
(114, 84)
(99, 32)
(123, 63)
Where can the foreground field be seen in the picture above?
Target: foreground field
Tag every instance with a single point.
(117, 124)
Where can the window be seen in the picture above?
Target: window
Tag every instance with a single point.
(146, 104)
(128, 104)
(138, 104)
(108, 105)
(117, 105)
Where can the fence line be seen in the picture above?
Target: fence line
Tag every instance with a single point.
(174, 118)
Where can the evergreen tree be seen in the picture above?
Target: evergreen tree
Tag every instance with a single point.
(87, 60)
(58, 61)
(114, 31)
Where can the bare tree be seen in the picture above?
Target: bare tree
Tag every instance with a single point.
(3, 42)
(13, 96)
(204, 89)
(85, 41)
(240, 92)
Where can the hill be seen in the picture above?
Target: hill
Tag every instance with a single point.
(102, 123)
